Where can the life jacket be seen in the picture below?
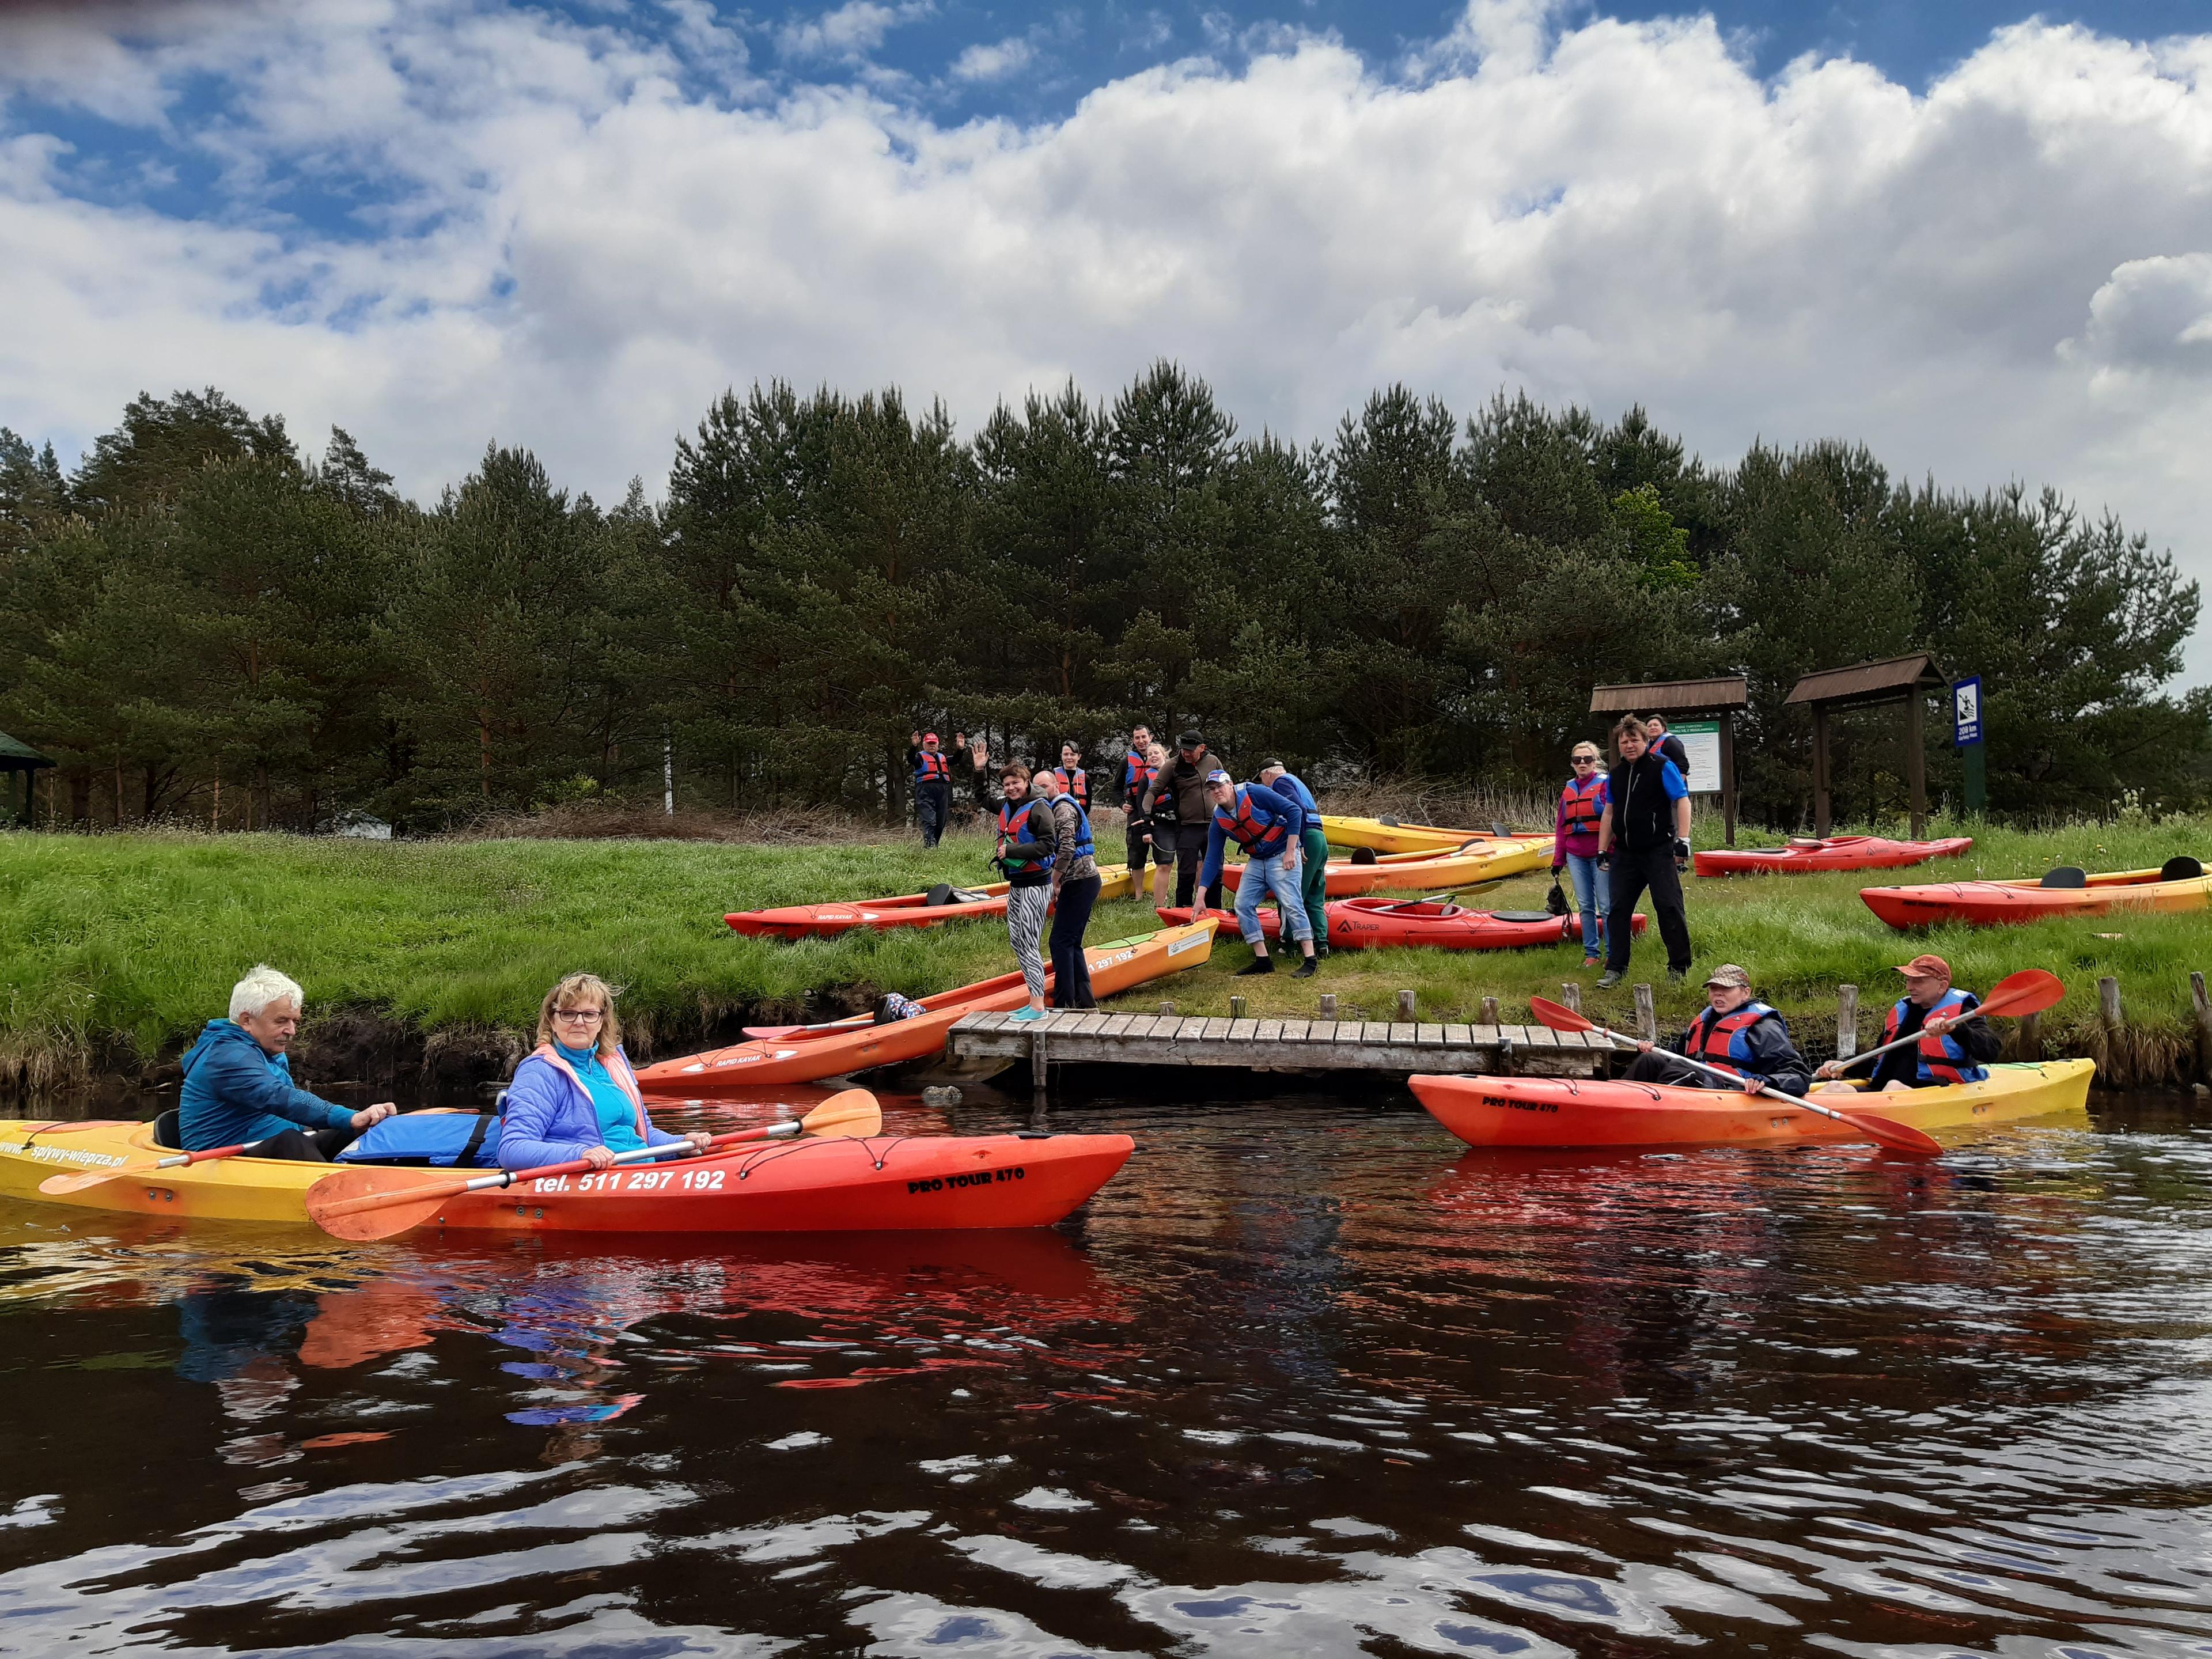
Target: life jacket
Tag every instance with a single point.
(1083, 847)
(1243, 825)
(1942, 1059)
(930, 765)
(1581, 806)
(1724, 1041)
(439, 1140)
(1013, 826)
(1076, 781)
(1138, 773)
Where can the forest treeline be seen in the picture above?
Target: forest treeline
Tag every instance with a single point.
(201, 606)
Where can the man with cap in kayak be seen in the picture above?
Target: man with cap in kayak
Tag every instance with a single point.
(239, 1088)
(1734, 1031)
(1181, 785)
(1269, 827)
(933, 785)
(1955, 1045)
(1313, 849)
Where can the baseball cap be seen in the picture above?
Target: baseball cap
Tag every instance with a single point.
(1730, 973)
(1216, 775)
(1193, 739)
(1273, 766)
(929, 737)
(1928, 966)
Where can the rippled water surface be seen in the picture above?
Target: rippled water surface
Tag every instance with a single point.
(1306, 1379)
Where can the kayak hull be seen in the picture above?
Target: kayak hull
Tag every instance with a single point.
(809, 1054)
(1493, 859)
(1382, 837)
(885, 1183)
(1560, 1112)
(2005, 903)
(907, 910)
(1836, 853)
(1375, 924)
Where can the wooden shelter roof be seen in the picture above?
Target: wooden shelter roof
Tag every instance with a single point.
(1891, 680)
(1672, 696)
(17, 756)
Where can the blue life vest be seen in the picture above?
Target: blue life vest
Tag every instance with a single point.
(1084, 849)
(1724, 1039)
(1013, 826)
(1242, 824)
(441, 1140)
(1942, 1059)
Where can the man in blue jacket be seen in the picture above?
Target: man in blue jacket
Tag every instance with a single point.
(238, 1082)
(1269, 827)
(1313, 849)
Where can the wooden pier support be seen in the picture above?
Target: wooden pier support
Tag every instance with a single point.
(1237, 1007)
(1490, 1010)
(2108, 1003)
(1571, 994)
(2203, 1012)
(1327, 1005)
(1647, 1015)
(1406, 1004)
(1847, 1021)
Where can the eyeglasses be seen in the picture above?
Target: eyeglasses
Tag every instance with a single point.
(579, 1013)
(1585, 759)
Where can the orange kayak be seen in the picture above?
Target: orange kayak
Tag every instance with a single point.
(1376, 924)
(943, 903)
(2180, 885)
(809, 1054)
(1805, 857)
(1512, 1111)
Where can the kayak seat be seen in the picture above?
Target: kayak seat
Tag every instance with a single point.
(1363, 855)
(2180, 867)
(1501, 830)
(2066, 875)
(1388, 823)
(1524, 915)
(169, 1131)
(940, 894)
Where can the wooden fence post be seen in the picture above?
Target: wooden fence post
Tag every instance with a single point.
(2027, 1042)
(1167, 1010)
(2203, 1026)
(1406, 1007)
(1647, 1016)
(1847, 1021)
(1490, 1010)
(2108, 1003)
(1328, 1004)
(1571, 994)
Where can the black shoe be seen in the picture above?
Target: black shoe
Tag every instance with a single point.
(1677, 975)
(1305, 969)
(1609, 978)
(1257, 965)
(1320, 950)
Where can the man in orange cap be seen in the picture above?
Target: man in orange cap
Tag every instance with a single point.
(1954, 1046)
(933, 785)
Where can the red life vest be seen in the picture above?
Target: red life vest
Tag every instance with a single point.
(1720, 1040)
(1139, 771)
(1942, 1059)
(1013, 826)
(930, 766)
(1258, 840)
(1581, 806)
(1076, 781)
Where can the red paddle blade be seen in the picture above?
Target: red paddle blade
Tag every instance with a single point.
(368, 1203)
(2027, 992)
(1557, 1015)
(1899, 1137)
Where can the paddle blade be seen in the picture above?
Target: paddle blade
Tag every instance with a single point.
(851, 1114)
(1557, 1015)
(368, 1203)
(1898, 1137)
(2027, 992)
(78, 1180)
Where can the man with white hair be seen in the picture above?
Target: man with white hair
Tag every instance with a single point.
(238, 1082)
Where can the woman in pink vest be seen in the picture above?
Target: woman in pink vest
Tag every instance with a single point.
(1574, 842)
(575, 1096)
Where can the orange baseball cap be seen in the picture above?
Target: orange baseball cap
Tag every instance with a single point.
(1928, 966)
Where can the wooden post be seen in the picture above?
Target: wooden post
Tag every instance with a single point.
(2108, 1002)
(1328, 1004)
(1406, 1009)
(1037, 1065)
(1728, 774)
(1847, 1021)
(1915, 762)
(1490, 1010)
(2027, 1042)
(1820, 768)
(1167, 1009)
(2203, 1026)
(1571, 994)
(1237, 1007)
(1647, 1016)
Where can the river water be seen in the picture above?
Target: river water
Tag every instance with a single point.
(1306, 1379)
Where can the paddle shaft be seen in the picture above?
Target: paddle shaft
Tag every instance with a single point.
(80, 1181)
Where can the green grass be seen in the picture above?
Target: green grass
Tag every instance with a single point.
(132, 941)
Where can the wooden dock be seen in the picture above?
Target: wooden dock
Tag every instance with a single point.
(1079, 1036)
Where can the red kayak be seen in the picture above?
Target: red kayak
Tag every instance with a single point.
(943, 903)
(2179, 886)
(1804, 856)
(1373, 924)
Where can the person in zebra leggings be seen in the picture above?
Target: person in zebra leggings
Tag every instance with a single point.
(1025, 850)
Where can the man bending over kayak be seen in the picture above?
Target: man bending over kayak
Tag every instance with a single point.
(1269, 828)
(1734, 1031)
(238, 1082)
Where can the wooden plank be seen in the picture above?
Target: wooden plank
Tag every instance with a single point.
(1349, 1031)
(1270, 1031)
(1295, 1030)
(1542, 1037)
(1190, 1029)
(1404, 1032)
(1459, 1037)
(1429, 1036)
(1374, 1031)
(1243, 1030)
(1094, 1024)
(978, 1023)
(1215, 1029)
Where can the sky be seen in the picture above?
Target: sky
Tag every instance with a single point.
(1976, 237)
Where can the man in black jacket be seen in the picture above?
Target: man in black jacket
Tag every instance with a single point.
(1179, 788)
(1644, 842)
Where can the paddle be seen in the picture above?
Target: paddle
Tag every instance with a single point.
(2029, 991)
(78, 1180)
(365, 1203)
(1901, 1137)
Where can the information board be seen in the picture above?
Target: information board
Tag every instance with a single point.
(1966, 711)
(1701, 741)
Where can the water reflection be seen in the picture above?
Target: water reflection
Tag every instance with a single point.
(1306, 1380)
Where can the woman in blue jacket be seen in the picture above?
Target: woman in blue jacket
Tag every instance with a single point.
(576, 1096)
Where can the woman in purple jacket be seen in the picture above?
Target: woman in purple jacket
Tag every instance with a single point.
(575, 1096)
(1574, 845)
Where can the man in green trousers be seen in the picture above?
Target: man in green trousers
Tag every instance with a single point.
(1313, 847)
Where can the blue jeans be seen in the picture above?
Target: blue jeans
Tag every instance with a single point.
(1262, 876)
(1592, 897)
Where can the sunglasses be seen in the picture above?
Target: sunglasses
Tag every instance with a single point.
(1585, 759)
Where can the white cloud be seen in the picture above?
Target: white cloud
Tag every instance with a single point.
(994, 62)
(571, 248)
(852, 31)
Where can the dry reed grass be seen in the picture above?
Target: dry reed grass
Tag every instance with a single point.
(622, 821)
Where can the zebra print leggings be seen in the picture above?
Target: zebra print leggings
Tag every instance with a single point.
(1025, 911)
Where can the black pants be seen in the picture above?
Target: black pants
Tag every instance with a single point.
(1633, 872)
(1071, 973)
(1190, 852)
(1141, 849)
(307, 1145)
(1670, 1072)
(932, 807)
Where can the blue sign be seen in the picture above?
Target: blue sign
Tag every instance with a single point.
(1966, 711)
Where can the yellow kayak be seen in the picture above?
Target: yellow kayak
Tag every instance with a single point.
(225, 1189)
(1491, 858)
(1387, 836)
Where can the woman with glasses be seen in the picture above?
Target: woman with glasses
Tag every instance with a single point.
(1574, 845)
(575, 1097)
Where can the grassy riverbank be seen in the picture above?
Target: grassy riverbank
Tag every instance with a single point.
(119, 946)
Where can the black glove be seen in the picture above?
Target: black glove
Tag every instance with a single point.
(1681, 855)
(1605, 860)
